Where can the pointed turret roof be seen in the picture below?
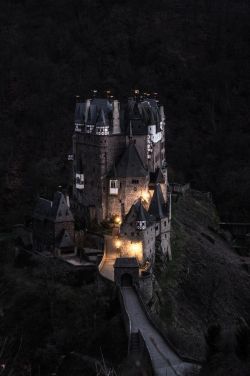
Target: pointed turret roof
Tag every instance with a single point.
(64, 240)
(130, 163)
(80, 112)
(138, 212)
(60, 210)
(157, 205)
(56, 210)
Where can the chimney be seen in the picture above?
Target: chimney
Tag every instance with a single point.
(116, 117)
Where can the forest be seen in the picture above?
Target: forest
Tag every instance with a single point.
(195, 54)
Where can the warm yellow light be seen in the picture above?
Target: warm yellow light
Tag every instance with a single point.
(136, 250)
(117, 220)
(145, 195)
(118, 243)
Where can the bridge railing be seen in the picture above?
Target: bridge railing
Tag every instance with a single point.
(126, 318)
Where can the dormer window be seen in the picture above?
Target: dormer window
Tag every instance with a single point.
(113, 187)
(141, 225)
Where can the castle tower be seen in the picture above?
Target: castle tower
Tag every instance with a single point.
(161, 211)
(119, 155)
(97, 142)
(130, 178)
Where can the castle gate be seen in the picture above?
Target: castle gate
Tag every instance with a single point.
(126, 271)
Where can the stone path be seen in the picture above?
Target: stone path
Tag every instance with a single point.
(165, 361)
(107, 269)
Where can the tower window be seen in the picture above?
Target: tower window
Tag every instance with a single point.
(135, 181)
(141, 225)
(113, 187)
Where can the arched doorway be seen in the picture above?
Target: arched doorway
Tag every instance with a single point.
(126, 280)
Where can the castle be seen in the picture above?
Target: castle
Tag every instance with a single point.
(120, 176)
(120, 173)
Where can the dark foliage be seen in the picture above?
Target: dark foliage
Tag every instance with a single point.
(227, 352)
(44, 320)
(194, 53)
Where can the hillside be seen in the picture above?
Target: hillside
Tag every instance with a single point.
(195, 54)
(205, 284)
(51, 320)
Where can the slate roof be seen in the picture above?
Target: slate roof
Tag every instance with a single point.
(80, 112)
(157, 205)
(130, 164)
(126, 262)
(98, 113)
(138, 212)
(56, 210)
(64, 240)
(141, 114)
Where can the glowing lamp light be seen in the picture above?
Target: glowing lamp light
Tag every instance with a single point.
(146, 196)
(118, 243)
(117, 220)
(136, 250)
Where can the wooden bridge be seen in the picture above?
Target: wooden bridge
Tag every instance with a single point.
(164, 360)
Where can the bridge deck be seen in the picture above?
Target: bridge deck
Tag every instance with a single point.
(164, 359)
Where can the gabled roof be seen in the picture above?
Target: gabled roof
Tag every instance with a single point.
(157, 205)
(130, 164)
(64, 240)
(138, 212)
(56, 210)
(60, 210)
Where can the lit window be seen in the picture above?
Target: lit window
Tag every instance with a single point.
(113, 187)
(141, 225)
